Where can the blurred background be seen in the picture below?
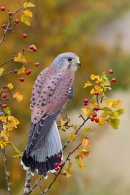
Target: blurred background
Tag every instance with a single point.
(98, 31)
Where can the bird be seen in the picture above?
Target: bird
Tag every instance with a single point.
(52, 90)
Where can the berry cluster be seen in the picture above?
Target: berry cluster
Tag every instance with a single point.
(111, 72)
(58, 165)
(4, 96)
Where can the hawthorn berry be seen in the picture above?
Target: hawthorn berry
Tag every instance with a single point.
(56, 168)
(94, 114)
(113, 80)
(85, 102)
(10, 13)
(37, 64)
(96, 120)
(2, 8)
(58, 156)
(60, 164)
(110, 71)
(96, 108)
(24, 35)
(56, 164)
(3, 25)
(4, 95)
(15, 71)
(95, 92)
(92, 118)
(16, 21)
(21, 79)
(31, 47)
(4, 105)
(28, 72)
(34, 49)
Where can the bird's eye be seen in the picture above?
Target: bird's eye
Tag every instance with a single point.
(69, 59)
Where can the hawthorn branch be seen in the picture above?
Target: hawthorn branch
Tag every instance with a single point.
(10, 72)
(27, 182)
(7, 61)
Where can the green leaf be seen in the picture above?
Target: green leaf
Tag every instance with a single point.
(120, 111)
(87, 129)
(7, 110)
(114, 122)
(28, 13)
(20, 58)
(28, 4)
(21, 70)
(117, 104)
(1, 71)
(72, 137)
(25, 20)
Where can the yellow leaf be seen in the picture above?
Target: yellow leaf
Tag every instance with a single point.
(21, 70)
(28, 4)
(1, 71)
(83, 153)
(92, 91)
(93, 77)
(101, 121)
(5, 135)
(80, 164)
(25, 20)
(87, 111)
(98, 89)
(117, 104)
(74, 126)
(3, 119)
(85, 142)
(63, 124)
(20, 58)
(18, 96)
(10, 86)
(87, 84)
(12, 123)
(28, 13)
(72, 137)
(101, 105)
(110, 102)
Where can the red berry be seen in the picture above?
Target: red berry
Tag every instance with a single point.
(85, 101)
(31, 47)
(56, 168)
(21, 79)
(95, 92)
(10, 13)
(34, 49)
(110, 71)
(24, 35)
(96, 120)
(4, 105)
(2, 8)
(113, 80)
(92, 118)
(61, 164)
(16, 21)
(94, 114)
(15, 71)
(37, 64)
(56, 164)
(28, 72)
(96, 108)
(85, 104)
(4, 95)
(3, 25)
(58, 156)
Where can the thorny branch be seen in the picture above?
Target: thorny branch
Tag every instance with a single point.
(67, 158)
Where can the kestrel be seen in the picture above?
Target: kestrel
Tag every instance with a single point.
(52, 90)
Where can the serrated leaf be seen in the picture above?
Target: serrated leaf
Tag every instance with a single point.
(110, 102)
(21, 70)
(117, 104)
(10, 86)
(87, 84)
(7, 110)
(72, 137)
(28, 13)
(120, 111)
(101, 121)
(25, 20)
(98, 89)
(87, 130)
(18, 96)
(85, 142)
(87, 111)
(93, 102)
(3, 119)
(83, 153)
(74, 126)
(63, 124)
(1, 71)
(80, 164)
(93, 77)
(20, 58)
(114, 122)
(28, 4)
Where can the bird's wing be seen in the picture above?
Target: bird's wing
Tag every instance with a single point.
(49, 97)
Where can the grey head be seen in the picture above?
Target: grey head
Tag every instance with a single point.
(66, 61)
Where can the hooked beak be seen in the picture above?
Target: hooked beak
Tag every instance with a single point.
(79, 64)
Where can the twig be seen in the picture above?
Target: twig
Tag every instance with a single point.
(7, 172)
(7, 61)
(10, 72)
(27, 182)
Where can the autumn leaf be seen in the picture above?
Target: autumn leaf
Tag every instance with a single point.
(74, 126)
(4, 137)
(7, 110)
(25, 20)
(92, 91)
(117, 104)
(3, 119)
(101, 121)
(85, 142)
(21, 70)
(114, 122)
(12, 123)
(87, 84)
(93, 102)
(10, 86)
(72, 137)
(80, 164)
(20, 58)
(18, 96)
(83, 153)
(110, 102)
(28, 13)
(120, 111)
(87, 111)
(87, 129)
(63, 124)
(28, 4)
(1, 71)
(98, 89)
(101, 105)
(93, 77)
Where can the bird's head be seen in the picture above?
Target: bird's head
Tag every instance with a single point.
(66, 61)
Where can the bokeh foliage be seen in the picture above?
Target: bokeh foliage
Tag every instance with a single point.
(60, 26)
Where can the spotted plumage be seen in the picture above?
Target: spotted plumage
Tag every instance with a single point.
(52, 90)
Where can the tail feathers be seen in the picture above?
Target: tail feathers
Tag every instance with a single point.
(46, 154)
